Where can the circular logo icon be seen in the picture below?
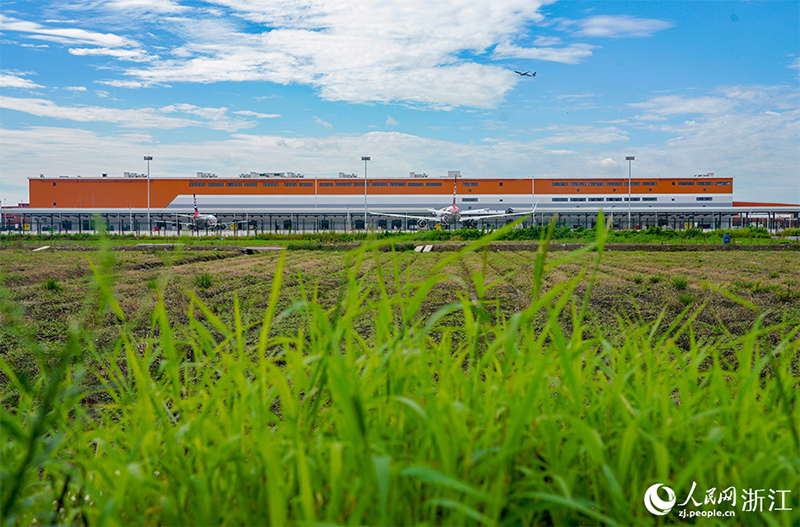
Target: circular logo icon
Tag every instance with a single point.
(655, 504)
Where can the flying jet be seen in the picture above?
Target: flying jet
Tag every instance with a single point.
(525, 73)
(452, 214)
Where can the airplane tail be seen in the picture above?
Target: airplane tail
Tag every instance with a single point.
(196, 214)
(455, 186)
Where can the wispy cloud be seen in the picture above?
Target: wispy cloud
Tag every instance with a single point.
(572, 54)
(70, 36)
(214, 118)
(250, 113)
(616, 26)
(390, 121)
(136, 55)
(13, 81)
(663, 107)
(322, 123)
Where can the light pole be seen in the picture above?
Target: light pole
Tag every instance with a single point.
(148, 159)
(365, 159)
(629, 159)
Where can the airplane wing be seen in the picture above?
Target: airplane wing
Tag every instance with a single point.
(504, 215)
(474, 212)
(426, 218)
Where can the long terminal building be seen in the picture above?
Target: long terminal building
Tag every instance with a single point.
(283, 202)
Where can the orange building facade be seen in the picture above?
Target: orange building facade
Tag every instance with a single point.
(114, 193)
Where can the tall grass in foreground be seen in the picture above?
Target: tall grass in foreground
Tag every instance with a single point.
(422, 422)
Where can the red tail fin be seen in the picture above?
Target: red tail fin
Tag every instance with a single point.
(196, 214)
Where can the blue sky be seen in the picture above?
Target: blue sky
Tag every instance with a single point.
(231, 86)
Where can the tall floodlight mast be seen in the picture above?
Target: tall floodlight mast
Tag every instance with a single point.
(629, 159)
(148, 159)
(365, 159)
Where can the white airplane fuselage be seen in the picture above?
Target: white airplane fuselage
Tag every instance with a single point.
(205, 221)
(449, 215)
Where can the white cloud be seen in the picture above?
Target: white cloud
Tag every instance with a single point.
(412, 51)
(547, 41)
(149, 6)
(13, 81)
(571, 54)
(135, 55)
(123, 84)
(258, 115)
(76, 88)
(795, 64)
(390, 121)
(213, 118)
(70, 36)
(322, 123)
(663, 107)
(618, 26)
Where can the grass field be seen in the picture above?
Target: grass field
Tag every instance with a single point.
(372, 387)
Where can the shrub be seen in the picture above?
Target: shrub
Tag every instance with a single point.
(638, 279)
(654, 279)
(51, 285)
(203, 280)
(680, 283)
(686, 298)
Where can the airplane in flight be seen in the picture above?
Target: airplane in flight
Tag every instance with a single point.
(452, 214)
(525, 73)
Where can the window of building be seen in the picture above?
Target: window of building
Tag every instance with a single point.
(377, 183)
(632, 199)
(216, 184)
(470, 184)
(649, 183)
(578, 184)
(595, 199)
(397, 184)
(686, 183)
(704, 199)
(326, 184)
(344, 184)
(471, 200)
(596, 183)
(614, 184)
(705, 183)
(613, 199)
(306, 184)
(269, 184)
(432, 184)
(251, 184)
(292, 184)
(560, 184)
(560, 199)
(196, 184)
(633, 183)
(649, 199)
(234, 184)
(722, 183)
(577, 199)
(414, 184)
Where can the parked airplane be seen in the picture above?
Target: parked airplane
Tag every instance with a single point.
(452, 214)
(525, 73)
(203, 221)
